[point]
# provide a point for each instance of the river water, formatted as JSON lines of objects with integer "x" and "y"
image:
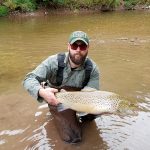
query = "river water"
{"x": 120, "y": 45}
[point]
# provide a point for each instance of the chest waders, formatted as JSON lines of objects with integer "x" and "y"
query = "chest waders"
{"x": 67, "y": 123}
{"x": 61, "y": 65}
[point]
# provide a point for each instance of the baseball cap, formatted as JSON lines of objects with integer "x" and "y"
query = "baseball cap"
{"x": 79, "y": 35}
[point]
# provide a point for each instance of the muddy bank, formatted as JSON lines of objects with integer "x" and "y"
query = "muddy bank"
{"x": 45, "y": 7}
{"x": 67, "y": 11}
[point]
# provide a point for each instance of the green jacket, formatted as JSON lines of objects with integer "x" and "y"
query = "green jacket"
{"x": 47, "y": 71}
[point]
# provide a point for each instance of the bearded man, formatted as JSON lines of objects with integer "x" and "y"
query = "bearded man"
{"x": 71, "y": 70}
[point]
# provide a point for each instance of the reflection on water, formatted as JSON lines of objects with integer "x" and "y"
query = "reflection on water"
{"x": 109, "y": 132}
{"x": 13, "y": 132}
{"x": 125, "y": 133}
{"x": 120, "y": 44}
{"x": 46, "y": 137}
{"x": 39, "y": 139}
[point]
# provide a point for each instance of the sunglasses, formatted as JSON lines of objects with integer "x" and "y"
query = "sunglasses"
{"x": 82, "y": 46}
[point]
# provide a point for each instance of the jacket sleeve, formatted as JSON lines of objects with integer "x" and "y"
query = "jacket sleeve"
{"x": 32, "y": 81}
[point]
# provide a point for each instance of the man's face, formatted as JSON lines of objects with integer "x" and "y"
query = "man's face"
{"x": 78, "y": 52}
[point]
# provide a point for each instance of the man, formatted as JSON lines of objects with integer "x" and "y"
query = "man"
{"x": 71, "y": 70}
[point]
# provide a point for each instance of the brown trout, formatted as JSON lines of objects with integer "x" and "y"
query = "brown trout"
{"x": 95, "y": 102}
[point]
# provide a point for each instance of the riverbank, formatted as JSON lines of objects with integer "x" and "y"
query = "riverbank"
{"x": 66, "y": 11}
{"x": 10, "y": 8}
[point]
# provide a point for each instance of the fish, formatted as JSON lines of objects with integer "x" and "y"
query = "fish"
{"x": 95, "y": 102}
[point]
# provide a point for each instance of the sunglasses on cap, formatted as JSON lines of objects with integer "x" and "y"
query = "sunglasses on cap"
{"x": 75, "y": 46}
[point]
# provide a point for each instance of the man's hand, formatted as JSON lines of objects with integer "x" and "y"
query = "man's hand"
{"x": 49, "y": 95}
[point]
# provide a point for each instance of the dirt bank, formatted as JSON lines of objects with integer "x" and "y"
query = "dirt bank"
{"x": 67, "y": 11}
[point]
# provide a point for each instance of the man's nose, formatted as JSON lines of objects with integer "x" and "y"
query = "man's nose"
{"x": 78, "y": 48}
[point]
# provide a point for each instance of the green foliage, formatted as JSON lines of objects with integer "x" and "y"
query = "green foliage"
{"x": 110, "y": 3}
{"x": 77, "y": 4}
{"x": 23, "y": 5}
{"x": 146, "y": 2}
{"x": 26, "y": 5}
{"x": 10, "y": 4}
{"x": 129, "y": 4}
{"x": 31, "y": 5}
{"x": 3, "y": 11}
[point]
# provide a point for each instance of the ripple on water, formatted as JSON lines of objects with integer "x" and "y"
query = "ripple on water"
{"x": 39, "y": 139}
{"x": 38, "y": 113}
{"x": 43, "y": 106}
{"x": 3, "y": 141}
{"x": 6, "y": 134}
{"x": 144, "y": 101}
{"x": 126, "y": 132}
{"x": 12, "y": 132}
{"x": 113, "y": 129}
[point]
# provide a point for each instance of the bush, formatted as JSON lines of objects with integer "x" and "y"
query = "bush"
{"x": 3, "y": 11}
{"x": 146, "y": 2}
{"x": 10, "y": 4}
{"x": 129, "y": 4}
{"x": 77, "y": 4}
{"x": 23, "y": 5}
{"x": 26, "y": 5}
{"x": 31, "y": 5}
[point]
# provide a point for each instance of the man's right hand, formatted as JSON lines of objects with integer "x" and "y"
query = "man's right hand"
{"x": 49, "y": 95}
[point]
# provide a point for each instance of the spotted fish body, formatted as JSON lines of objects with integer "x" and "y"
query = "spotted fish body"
{"x": 95, "y": 102}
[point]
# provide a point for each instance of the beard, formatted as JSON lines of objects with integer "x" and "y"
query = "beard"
{"x": 78, "y": 58}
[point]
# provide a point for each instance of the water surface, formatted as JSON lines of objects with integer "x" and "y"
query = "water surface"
{"x": 120, "y": 45}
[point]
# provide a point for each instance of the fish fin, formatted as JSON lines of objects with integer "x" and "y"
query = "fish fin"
{"x": 61, "y": 107}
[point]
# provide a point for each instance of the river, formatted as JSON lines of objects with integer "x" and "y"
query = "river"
{"x": 119, "y": 44}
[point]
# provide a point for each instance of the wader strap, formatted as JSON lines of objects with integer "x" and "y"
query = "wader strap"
{"x": 88, "y": 69}
{"x": 61, "y": 66}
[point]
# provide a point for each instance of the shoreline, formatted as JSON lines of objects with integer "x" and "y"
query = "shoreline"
{"x": 65, "y": 11}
